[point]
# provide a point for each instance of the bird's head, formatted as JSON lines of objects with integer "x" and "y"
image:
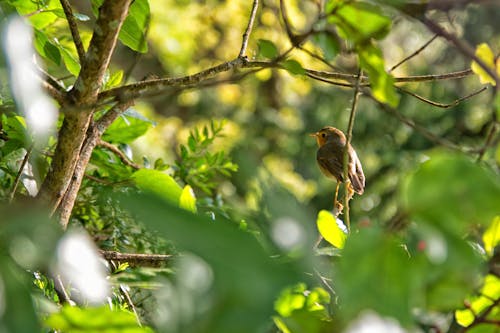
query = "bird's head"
{"x": 327, "y": 134}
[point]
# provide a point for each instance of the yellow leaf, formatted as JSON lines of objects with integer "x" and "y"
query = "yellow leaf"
{"x": 187, "y": 200}
{"x": 484, "y": 53}
{"x": 330, "y": 230}
{"x": 491, "y": 236}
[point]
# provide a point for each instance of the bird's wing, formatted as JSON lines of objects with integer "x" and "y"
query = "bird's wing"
{"x": 330, "y": 162}
{"x": 356, "y": 175}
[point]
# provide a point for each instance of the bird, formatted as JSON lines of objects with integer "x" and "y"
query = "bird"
{"x": 330, "y": 157}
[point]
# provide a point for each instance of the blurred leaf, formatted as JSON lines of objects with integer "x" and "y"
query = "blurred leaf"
{"x": 133, "y": 31}
{"x": 329, "y": 229}
{"x": 452, "y": 192}
{"x": 246, "y": 279}
{"x": 490, "y": 292}
{"x": 491, "y": 236}
{"x": 294, "y": 67}
{"x": 375, "y": 273}
{"x": 328, "y": 44}
{"x": 41, "y": 13}
{"x": 302, "y": 310}
{"x": 267, "y": 49}
{"x": 360, "y": 21}
{"x": 98, "y": 319}
{"x": 382, "y": 83}
{"x": 127, "y": 128}
{"x": 158, "y": 183}
{"x": 187, "y": 199}
{"x": 484, "y": 53}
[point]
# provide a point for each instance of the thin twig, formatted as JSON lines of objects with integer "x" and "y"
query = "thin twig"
{"x": 487, "y": 142}
{"x": 74, "y": 29}
{"x": 20, "y": 172}
{"x": 443, "y": 105}
{"x": 119, "y": 153}
{"x": 248, "y": 31}
{"x": 137, "y": 258}
{"x": 413, "y": 54}
{"x": 124, "y": 291}
{"x": 346, "y": 150}
{"x": 462, "y": 46}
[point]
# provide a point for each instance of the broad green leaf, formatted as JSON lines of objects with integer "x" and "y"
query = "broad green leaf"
{"x": 45, "y": 48}
{"x": 94, "y": 319}
{"x": 359, "y": 21}
{"x": 484, "y": 53}
{"x": 294, "y": 67}
{"x": 382, "y": 83}
{"x": 329, "y": 229}
{"x": 134, "y": 29}
{"x": 127, "y": 128}
{"x": 452, "y": 192}
{"x": 491, "y": 236}
{"x": 187, "y": 199}
{"x": 246, "y": 280}
{"x": 267, "y": 49}
{"x": 41, "y": 13}
{"x": 113, "y": 80}
{"x": 72, "y": 64}
{"x": 375, "y": 273}
{"x": 158, "y": 183}
{"x": 328, "y": 44}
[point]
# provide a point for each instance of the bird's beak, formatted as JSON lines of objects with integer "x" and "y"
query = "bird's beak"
{"x": 314, "y": 135}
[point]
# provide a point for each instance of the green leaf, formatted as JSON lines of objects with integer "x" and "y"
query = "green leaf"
{"x": 113, "y": 80}
{"x": 267, "y": 49}
{"x": 360, "y": 21}
{"x": 41, "y": 13}
{"x": 491, "y": 236}
{"x": 45, "y": 48}
{"x": 158, "y": 183}
{"x": 187, "y": 199}
{"x": 452, "y": 192}
{"x": 94, "y": 319}
{"x": 127, "y": 128}
{"x": 382, "y": 83}
{"x": 329, "y": 229}
{"x": 294, "y": 67}
{"x": 374, "y": 273}
{"x": 328, "y": 44}
{"x": 134, "y": 29}
{"x": 72, "y": 64}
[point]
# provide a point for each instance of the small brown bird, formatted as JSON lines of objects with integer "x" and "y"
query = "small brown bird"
{"x": 330, "y": 157}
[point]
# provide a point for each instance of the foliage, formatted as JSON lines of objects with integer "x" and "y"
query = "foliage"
{"x": 422, "y": 252}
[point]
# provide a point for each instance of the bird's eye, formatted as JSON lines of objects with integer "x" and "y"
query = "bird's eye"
{"x": 323, "y": 135}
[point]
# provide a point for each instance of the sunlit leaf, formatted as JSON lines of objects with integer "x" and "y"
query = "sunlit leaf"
{"x": 329, "y": 229}
{"x": 113, "y": 80}
{"x": 158, "y": 183}
{"x": 127, "y": 128}
{"x": 381, "y": 82}
{"x": 187, "y": 199}
{"x": 359, "y": 21}
{"x": 491, "y": 236}
{"x": 133, "y": 31}
{"x": 484, "y": 53}
{"x": 72, "y": 64}
{"x": 267, "y": 49}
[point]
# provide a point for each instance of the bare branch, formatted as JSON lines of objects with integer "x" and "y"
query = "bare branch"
{"x": 346, "y": 150}
{"x": 20, "y": 172}
{"x": 489, "y": 139}
{"x": 74, "y": 29}
{"x": 248, "y": 31}
{"x": 417, "y": 52}
{"x": 443, "y": 105}
{"x": 462, "y": 46}
{"x": 138, "y": 259}
{"x": 118, "y": 153}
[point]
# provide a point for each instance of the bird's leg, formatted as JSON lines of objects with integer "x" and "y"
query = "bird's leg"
{"x": 337, "y": 206}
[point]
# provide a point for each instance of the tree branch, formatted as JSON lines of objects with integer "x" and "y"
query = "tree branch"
{"x": 415, "y": 53}
{"x": 248, "y": 31}
{"x": 118, "y": 153}
{"x": 443, "y": 105}
{"x": 20, "y": 172}
{"x": 74, "y": 29}
{"x": 137, "y": 259}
